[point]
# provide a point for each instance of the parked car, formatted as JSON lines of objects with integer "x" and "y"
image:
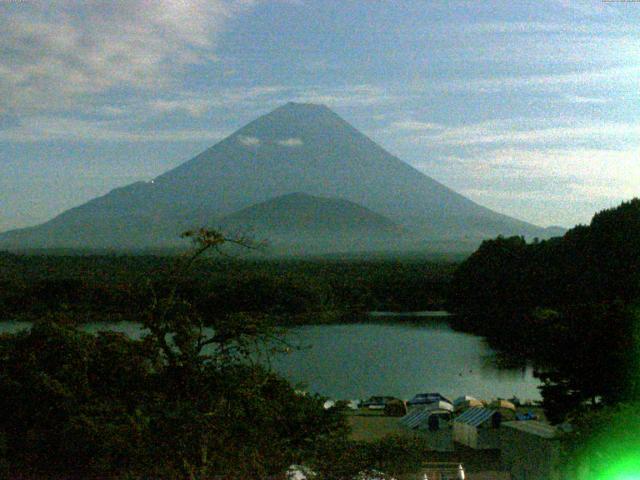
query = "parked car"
{"x": 427, "y": 398}
{"x": 376, "y": 403}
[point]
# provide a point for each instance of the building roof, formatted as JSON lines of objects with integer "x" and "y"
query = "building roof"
{"x": 415, "y": 417}
{"x": 419, "y": 416}
{"x": 475, "y": 416}
{"x": 424, "y": 398}
{"x": 533, "y": 427}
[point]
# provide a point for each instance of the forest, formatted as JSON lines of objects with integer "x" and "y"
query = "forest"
{"x": 90, "y": 406}
{"x": 76, "y": 405}
{"x": 117, "y": 287}
{"x": 570, "y": 305}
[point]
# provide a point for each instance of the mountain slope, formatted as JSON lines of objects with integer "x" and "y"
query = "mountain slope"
{"x": 296, "y": 148}
{"x": 300, "y": 223}
{"x": 299, "y": 212}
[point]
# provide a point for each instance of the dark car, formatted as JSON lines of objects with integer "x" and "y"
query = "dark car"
{"x": 376, "y": 403}
{"x": 427, "y": 398}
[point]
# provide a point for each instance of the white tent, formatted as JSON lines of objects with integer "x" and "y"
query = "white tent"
{"x": 441, "y": 405}
{"x": 329, "y": 404}
{"x": 464, "y": 398}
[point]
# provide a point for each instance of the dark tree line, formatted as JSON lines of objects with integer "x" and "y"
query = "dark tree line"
{"x": 180, "y": 403}
{"x": 112, "y": 288}
{"x": 570, "y": 304}
{"x": 183, "y": 402}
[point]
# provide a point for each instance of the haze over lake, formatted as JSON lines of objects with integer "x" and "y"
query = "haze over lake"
{"x": 359, "y": 360}
{"x": 383, "y": 358}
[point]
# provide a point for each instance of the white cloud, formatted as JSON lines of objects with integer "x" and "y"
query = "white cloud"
{"x": 348, "y": 96}
{"x": 532, "y": 131}
{"x": 581, "y": 28}
{"x": 589, "y": 173}
{"x": 52, "y": 57}
{"x": 45, "y": 128}
{"x": 414, "y": 126}
{"x": 545, "y": 186}
{"x": 583, "y": 99}
{"x": 290, "y": 142}
{"x": 611, "y": 78}
{"x": 192, "y": 107}
{"x": 248, "y": 141}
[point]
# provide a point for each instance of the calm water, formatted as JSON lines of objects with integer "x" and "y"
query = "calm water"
{"x": 378, "y": 358}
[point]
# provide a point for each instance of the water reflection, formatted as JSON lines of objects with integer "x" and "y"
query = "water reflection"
{"x": 397, "y": 358}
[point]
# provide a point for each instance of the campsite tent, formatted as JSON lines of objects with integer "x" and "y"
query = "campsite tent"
{"x": 465, "y": 405}
{"x": 502, "y": 404}
{"x": 328, "y": 404}
{"x": 440, "y": 405}
{"x": 505, "y": 407}
{"x": 462, "y": 399}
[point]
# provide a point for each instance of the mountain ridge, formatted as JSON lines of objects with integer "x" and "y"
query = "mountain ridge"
{"x": 295, "y": 148}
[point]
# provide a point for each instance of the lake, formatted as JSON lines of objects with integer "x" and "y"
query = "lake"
{"x": 384, "y": 358}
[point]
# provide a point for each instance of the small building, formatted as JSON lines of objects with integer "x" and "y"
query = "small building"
{"x": 433, "y": 425}
{"x": 477, "y": 428}
{"x": 426, "y": 419}
{"x": 530, "y": 450}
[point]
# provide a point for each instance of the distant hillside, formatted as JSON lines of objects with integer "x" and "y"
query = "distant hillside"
{"x": 299, "y": 212}
{"x": 313, "y": 224}
{"x": 296, "y": 148}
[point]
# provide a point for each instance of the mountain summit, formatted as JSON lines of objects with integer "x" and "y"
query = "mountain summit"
{"x": 297, "y": 148}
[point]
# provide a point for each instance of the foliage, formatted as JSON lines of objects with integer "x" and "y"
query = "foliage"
{"x": 604, "y": 443}
{"x": 567, "y": 303}
{"x": 91, "y": 288}
{"x": 393, "y": 455}
{"x": 183, "y": 402}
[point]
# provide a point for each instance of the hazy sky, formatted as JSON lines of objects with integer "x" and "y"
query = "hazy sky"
{"x": 528, "y": 107}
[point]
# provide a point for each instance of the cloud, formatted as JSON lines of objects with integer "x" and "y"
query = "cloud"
{"x": 543, "y": 185}
{"x": 192, "y": 107}
{"x": 348, "y": 96}
{"x": 615, "y": 76}
{"x": 290, "y": 142}
{"x": 248, "y": 141}
{"x": 582, "y": 99}
{"x": 120, "y": 119}
{"x": 414, "y": 126}
{"x": 530, "y": 28}
{"x": 531, "y": 131}
{"x": 613, "y": 174}
{"x": 51, "y": 128}
{"x": 51, "y": 57}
